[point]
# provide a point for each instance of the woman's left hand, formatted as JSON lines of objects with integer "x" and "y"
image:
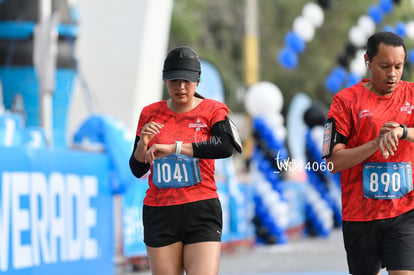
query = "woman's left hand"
{"x": 158, "y": 151}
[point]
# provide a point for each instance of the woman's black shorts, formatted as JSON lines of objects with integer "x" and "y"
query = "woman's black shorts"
{"x": 188, "y": 223}
{"x": 381, "y": 243}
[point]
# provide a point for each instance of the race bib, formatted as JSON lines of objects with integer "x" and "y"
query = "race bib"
{"x": 176, "y": 171}
{"x": 387, "y": 180}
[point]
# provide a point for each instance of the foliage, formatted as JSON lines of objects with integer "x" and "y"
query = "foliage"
{"x": 215, "y": 28}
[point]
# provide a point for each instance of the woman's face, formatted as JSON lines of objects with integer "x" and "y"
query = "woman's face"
{"x": 181, "y": 91}
{"x": 387, "y": 68}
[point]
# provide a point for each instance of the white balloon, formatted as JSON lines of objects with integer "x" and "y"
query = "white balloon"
{"x": 275, "y": 122}
{"x": 327, "y": 223}
{"x": 263, "y": 98}
{"x": 276, "y": 119}
{"x": 358, "y": 68}
{"x": 280, "y": 213}
{"x": 366, "y": 24}
{"x": 304, "y": 28}
{"x": 311, "y": 194}
{"x": 360, "y": 55}
{"x": 314, "y": 13}
{"x": 279, "y": 209}
{"x": 270, "y": 199}
{"x": 284, "y": 207}
{"x": 410, "y": 29}
{"x": 284, "y": 221}
{"x": 320, "y": 206}
{"x": 326, "y": 213}
{"x": 280, "y": 132}
{"x": 357, "y": 36}
{"x": 357, "y": 65}
{"x": 263, "y": 187}
{"x": 317, "y": 134}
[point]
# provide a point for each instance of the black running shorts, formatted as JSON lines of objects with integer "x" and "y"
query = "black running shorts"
{"x": 373, "y": 245}
{"x": 188, "y": 223}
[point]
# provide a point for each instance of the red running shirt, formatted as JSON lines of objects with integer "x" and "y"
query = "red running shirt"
{"x": 359, "y": 115}
{"x": 189, "y": 127}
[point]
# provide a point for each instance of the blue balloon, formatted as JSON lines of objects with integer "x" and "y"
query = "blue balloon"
{"x": 352, "y": 79}
{"x": 272, "y": 176}
{"x": 259, "y": 125}
{"x": 336, "y": 79}
{"x": 283, "y": 153}
{"x": 400, "y": 29}
{"x": 282, "y": 239}
{"x": 333, "y": 83}
{"x": 265, "y": 166}
{"x": 257, "y": 200}
{"x": 288, "y": 58}
{"x": 388, "y": 28}
{"x": 261, "y": 210}
{"x": 295, "y": 42}
{"x": 340, "y": 72}
{"x": 411, "y": 56}
{"x": 375, "y": 13}
{"x": 275, "y": 229}
{"x": 386, "y": 5}
{"x": 268, "y": 221}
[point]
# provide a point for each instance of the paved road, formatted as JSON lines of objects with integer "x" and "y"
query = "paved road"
{"x": 305, "y": 256}
{"x": 302, "y": 256}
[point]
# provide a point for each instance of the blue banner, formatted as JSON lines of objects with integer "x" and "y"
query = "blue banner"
{"x": 55, "y": 212}
{"x": 132, "y": 228}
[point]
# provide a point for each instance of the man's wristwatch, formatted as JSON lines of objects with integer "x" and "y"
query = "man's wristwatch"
{"x": 405, "y": 131}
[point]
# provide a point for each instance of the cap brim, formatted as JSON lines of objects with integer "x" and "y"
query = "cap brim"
{"x": 181, "y": 74}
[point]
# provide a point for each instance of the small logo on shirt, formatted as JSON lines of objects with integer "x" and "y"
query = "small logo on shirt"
{"x": 364, "y": 113}
{"x": 407, "y": 108}
{"x": 198, "y": 125}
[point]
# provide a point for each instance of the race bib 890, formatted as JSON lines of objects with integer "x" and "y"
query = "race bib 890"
{"x": 387, "y": 180}
{"x": 176, "y": 171}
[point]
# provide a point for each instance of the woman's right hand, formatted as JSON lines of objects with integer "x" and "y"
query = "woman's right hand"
{"x": 149, "y": 131}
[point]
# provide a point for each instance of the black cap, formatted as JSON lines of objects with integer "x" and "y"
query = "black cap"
{"x": 182, "y": 63}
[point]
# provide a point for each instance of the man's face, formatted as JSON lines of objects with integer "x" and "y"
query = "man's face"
{"x": 387, "y": 68}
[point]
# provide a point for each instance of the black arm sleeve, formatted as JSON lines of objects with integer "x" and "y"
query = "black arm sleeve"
{"x": 137, "y": 168}
{"x": 331, "y": 138}
{"x": 219, "y": 145}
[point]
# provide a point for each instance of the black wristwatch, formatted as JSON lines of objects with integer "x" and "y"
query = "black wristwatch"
{"x": 405, "y": 131}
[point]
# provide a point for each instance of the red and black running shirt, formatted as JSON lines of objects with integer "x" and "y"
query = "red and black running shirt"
{"x": 359, "y": 115}
{"x": 189, "y": 127}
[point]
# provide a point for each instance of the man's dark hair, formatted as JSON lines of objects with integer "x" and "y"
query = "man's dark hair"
{"x": 387, "y": 38}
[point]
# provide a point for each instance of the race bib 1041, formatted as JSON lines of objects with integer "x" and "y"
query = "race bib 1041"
{"x": 176, "y": 171}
